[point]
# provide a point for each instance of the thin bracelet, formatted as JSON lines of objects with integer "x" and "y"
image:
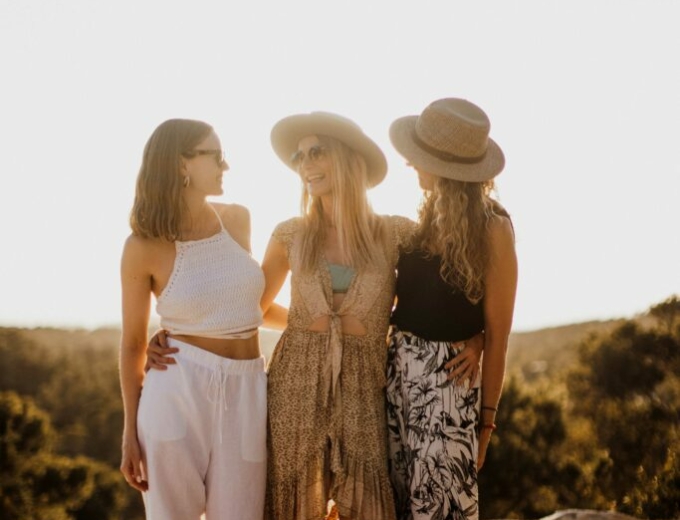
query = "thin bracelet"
{"x": 489, "y": 426}
{"x": 489, "y": 408}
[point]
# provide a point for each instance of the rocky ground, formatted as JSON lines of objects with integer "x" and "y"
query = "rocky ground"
{"x": 587, "y": 514}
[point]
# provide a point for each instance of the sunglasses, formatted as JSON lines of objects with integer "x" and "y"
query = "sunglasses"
{"x": 314, "y": 153}
{"x": 218, "y": 154}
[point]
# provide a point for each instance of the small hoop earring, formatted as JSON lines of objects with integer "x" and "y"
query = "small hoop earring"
{"x": 187, "y": 181}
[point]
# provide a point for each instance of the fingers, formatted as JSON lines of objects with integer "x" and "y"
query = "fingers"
{"x": 159, "y": 362}
{"x": 462, "y": 367}
{"x": 478, "y": 342}
{"x": 462, "y": 356}
{"x": 152, "y": 365}
{"x": 465, "y": 365}
{"x": 162, "y": 355}
{"x": 139, "y": 484}
{"x": 484, "y": 438}
{"x": 132, "y": 466}
{"x": 481, "y": 458}
{"x": 459, "y": 363}
{"x": 474, "y": 372}
{"x": 134, "y": 476}
{"x": 157, "y": 356}
{"x": 159, "y": 339}
{"x": 155, "y": 341}
{"x": 462, "y": 373}
{"x": 159, "y": 351}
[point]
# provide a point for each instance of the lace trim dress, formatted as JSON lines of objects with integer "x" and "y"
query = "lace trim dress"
{"x": 327, "y": 434}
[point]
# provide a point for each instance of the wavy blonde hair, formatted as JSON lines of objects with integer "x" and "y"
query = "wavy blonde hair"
{"x": 453, "y": 222}
{"x": 159, "y": 208}
{"x": 361, "y": 233}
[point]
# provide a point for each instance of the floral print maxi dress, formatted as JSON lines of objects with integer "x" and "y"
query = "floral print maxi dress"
{"x": 327, "y": 434}
{"x": 433, "y": 425}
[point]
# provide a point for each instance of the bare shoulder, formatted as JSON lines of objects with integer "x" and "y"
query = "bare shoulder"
{"x": 146, "y": 249}
{"x": 236, "y": 220}
{"x": 502, "y": 241}
{"x": 138, "y": 255}
{"x": 234, "y": 213}
{"x": 137, "y": 247}
{"x": 501, "y": 229}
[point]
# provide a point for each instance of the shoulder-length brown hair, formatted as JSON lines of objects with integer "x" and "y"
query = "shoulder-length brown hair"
{"x": 361, "y": 233}
{"x": 453, "y": 223}
{"x": 158, "y": 207}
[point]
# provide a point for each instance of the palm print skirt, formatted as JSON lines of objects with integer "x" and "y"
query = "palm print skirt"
{"x": 432, "y": 427}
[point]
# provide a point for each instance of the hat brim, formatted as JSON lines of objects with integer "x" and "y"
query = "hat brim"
{"x": 401, "y": 132}
{"x": 288, "y": 132}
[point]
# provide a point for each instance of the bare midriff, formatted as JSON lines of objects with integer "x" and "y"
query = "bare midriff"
{"x": 241, "y": 348}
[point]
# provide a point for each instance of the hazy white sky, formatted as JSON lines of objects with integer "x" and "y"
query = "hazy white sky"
{"x": 583, "y": 96}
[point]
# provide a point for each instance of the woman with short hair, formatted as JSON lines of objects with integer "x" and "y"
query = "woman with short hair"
{"x": 194, "y": 438}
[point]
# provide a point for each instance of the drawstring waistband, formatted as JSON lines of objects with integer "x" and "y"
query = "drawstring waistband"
{"x": 217, "y": 393}
{"x": 220, "y": 370}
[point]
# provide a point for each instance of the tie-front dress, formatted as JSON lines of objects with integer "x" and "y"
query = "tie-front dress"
{"x": 326, "y": 391}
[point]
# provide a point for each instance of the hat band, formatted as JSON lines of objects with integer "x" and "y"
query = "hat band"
{"x": 444, "y": 156}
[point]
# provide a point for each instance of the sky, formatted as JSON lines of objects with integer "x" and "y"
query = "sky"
{"x": 583, "y": 97}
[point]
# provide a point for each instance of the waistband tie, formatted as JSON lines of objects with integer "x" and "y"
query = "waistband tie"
{"x": 333, "y": 362}
{"x": 331, "y": 374}
{"x": 217, "y": 393}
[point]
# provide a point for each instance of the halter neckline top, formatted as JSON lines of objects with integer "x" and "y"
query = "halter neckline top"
{"x": 214, "y": 289}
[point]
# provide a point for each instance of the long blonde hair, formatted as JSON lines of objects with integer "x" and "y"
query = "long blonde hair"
{"x": 453, "y": 222}
{"x": 158, "y": 208}
{"x": 360, "y": 232}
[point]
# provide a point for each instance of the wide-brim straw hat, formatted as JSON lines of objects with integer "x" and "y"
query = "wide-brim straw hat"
{"x": 450, "y": 138}
{"x": 288, "y": 132}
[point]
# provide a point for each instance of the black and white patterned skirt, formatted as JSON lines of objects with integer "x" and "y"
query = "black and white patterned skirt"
{"x": 433, "y": 431}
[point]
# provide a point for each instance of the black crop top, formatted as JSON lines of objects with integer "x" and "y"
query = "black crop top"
{"x": 429, "y": 307}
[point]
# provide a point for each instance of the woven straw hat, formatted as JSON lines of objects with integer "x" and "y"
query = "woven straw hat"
{"x": 449, "y": 139}
{"x": 287, "y": 133}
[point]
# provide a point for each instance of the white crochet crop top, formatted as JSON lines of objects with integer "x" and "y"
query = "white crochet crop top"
{"x": 214, "y": 289}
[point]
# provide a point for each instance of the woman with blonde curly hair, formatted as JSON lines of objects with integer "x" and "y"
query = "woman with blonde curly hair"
{"x": 457, "y": 278}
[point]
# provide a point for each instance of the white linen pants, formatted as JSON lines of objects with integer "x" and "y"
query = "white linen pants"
{"x": 202, "y": 429}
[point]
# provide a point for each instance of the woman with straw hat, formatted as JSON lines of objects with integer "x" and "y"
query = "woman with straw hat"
{"x": 457, "y": 278}
{"x": 326, "y": 394}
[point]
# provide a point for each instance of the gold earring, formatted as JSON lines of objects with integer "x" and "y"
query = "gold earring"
{"x": 187, "y": 181}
